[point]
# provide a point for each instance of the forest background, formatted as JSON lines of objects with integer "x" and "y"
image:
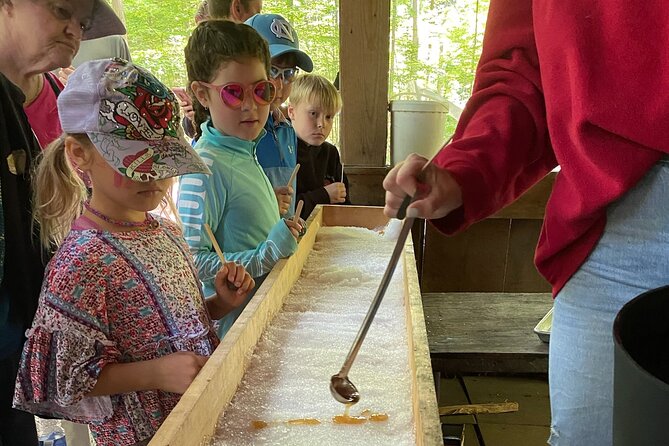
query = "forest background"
{"x": 434, "y": 44}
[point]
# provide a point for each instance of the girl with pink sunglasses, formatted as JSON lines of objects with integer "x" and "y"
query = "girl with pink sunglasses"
{"x": 228, "y": 66}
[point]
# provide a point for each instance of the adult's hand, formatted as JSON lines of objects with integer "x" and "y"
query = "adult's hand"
{"x": 438, "y": 192}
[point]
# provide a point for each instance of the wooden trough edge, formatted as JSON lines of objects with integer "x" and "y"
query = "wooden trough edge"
{"x": 426, "y": 408}
{"x": 190, "y": 423}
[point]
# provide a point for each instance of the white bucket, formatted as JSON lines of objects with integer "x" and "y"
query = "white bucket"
{"x": 416, "y": 127}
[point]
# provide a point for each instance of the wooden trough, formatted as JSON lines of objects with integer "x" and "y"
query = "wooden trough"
{"x": 193, "y": 421}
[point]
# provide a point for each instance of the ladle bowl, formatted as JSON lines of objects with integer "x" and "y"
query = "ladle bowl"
{"x": 343, "y": 390}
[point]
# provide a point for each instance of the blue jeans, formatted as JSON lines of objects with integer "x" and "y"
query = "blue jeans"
{"x": 630, "y": 258}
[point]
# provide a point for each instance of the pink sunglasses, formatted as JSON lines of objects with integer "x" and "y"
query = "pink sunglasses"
{"x": 232, "y": 94}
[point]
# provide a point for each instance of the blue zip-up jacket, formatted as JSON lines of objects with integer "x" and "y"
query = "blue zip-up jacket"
{"x": 238, "y": 202}
{"x": 277, "y": 154}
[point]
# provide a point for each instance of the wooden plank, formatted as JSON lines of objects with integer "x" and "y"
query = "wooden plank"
{"x": 514, "y": 435}
{"x": 426, "y": 414}
{"x": 521, "y": 275}
{"x": 451, "y": 393}
{"x": 359, "y": 216}
{"x": 486, "y": 332}
{"x": 476, "y": 409}
{"x": 532, "y": 204}
{"x": 364, "y": 42}
{"x": 531, "y": 394}
{"x": 470, "y": 436}
{"x": 193, "y": 420}
{"x": 366, "y": 184}
{"x": 473, "y": 261}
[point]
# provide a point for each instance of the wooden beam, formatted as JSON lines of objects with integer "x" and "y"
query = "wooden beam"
{"x": 364, "y": 41}
{"x": 475, "y": 409}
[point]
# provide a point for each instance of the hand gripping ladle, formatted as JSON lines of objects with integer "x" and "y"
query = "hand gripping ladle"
{"x": 341, "y": 388}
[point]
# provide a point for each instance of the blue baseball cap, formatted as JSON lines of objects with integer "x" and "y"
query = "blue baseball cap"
{"x": 282, "y": 38}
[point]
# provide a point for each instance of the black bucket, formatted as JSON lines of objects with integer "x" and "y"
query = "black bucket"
{"x": 641, "y": 371}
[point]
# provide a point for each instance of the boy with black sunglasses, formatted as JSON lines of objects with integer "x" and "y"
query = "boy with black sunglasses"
{"x": 277, "y": 151}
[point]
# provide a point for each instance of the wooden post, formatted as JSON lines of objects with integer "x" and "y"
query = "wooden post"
{"x": 364, "y": 63}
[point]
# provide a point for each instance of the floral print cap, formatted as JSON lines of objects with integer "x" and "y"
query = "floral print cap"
{"x": 131, "y": 118}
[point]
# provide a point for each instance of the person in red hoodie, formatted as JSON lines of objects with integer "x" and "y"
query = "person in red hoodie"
{"x": 583, "y": 86}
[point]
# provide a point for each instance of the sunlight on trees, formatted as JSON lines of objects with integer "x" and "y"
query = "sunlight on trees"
{"x": 434, "y": 49}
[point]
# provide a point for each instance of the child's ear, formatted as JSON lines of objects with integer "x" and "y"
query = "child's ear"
{"x": 291, "y": 112}
{"x": 80, "y": 155}
{"x": 235, "y": 10}
{"x": 200, "y": 93}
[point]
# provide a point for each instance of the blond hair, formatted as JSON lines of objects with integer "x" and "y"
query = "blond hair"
{"x": 316, "y": 89}
{"x": 59, "y": 192}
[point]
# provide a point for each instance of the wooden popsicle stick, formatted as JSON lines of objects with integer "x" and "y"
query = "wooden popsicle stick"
{"x": 293, "y": 175}
{"x": 298, "y": 211}
{"x": 217, "y": 248}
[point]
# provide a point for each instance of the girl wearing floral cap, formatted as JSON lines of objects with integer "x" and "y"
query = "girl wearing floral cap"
{"x": 122, "y": 326}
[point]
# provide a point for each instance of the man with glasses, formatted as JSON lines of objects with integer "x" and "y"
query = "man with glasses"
{"x": 277, "y": 151}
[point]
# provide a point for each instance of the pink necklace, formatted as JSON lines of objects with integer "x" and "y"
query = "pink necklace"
{"x": 150, "y": 222}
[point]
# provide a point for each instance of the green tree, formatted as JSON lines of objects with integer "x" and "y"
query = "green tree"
{"x": 157, "y": 35}
{"x": 435, "y": 44}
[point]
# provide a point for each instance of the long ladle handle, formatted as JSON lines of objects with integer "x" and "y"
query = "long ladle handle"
{"x": 376, "y": 302}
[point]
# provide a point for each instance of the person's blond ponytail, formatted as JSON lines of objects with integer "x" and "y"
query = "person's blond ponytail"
{"x": 59, "y": 192}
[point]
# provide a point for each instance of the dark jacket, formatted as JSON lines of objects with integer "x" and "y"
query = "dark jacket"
{"x": 22, "y": 258}
{"x": 319, "y": 166}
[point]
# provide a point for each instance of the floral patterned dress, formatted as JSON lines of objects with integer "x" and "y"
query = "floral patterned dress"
{"x": 112, "y": 298}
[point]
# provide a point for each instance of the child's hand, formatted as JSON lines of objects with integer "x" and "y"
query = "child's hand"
{"x": 337, "y": 192}
{"x": 175, "y": 372}
{"x": 295, "y": 228}
{"x": 232, "y": 284}
{"x": 64, "y": 74}
{"x": 284, "y": 195}
{"x": 187, "y": 109}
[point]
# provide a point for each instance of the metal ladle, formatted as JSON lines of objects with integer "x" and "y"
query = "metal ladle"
{"x": 341, "y": 387}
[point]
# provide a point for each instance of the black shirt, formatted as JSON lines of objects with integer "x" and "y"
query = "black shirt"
{"x": 23, "y": 258}
{"x": 319, "y": 166}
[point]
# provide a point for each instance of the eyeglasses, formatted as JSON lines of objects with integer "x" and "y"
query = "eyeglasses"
{"x": 287, "y": 74}
{"x": 233, "y": 94}
{"x": 65, "y": 11}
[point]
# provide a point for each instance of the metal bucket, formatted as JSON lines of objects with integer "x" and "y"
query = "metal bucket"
{"x": 641, "y": 371}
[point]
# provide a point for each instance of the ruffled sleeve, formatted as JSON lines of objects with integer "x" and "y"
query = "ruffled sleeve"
{"x": 68, "y": 344}
{"x": 58, "y": 368}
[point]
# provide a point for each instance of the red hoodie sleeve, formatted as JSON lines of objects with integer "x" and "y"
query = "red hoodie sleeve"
{"x": 501, "y": 145}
